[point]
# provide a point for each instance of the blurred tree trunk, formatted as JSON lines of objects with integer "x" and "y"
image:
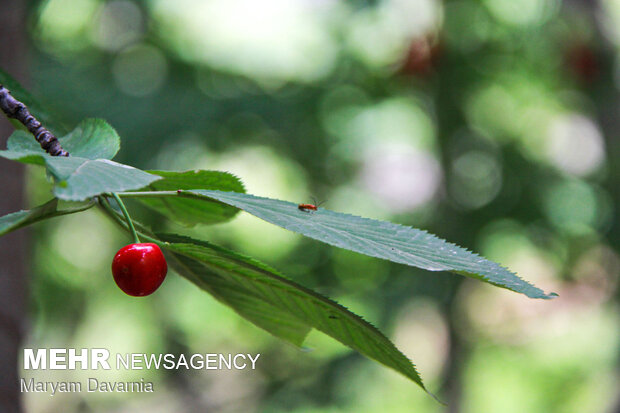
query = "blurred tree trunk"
{"x": 12, "y": 246}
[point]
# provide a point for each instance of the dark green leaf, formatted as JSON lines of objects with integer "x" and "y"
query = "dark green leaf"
{"x": 281, "y": 306}
{"x": 379, "y": 239}
{"x": 20, "y": 219}
{"x": 193, "y": 211}
{"x": 243, "y": 300}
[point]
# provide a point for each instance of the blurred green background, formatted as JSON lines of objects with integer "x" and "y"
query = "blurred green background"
{"x": 491, "y": 123}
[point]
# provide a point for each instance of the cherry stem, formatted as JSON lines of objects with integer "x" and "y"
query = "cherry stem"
{"x": 105, "y": 205}
{"x": 127, "y": 217}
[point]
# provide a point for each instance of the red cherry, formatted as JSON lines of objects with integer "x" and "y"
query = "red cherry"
{"x": 139, "y": 269}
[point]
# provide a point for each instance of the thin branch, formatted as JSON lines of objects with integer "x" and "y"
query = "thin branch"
{"x": 15, "y": 109}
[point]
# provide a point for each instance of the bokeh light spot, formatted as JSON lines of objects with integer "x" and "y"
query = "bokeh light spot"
{"x": 523, "y": 12}
{"x": 476, "y": 179}
{"x": 118, "y": 24}
{"x": 574, "y": 206}
{"x": 270, "y": 41}
{"x": 575, "y": 144}
{"x": 140, "y": 70}
{"x": 402, "y": 177}
{"x": 63, "y": 24}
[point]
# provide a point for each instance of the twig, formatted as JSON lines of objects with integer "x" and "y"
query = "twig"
{"x": 15, "y": 109}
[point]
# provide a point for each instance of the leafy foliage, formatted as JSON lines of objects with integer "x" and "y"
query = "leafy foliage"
{"x": 50, "y": 209}
{"x": 92, "y": 139}
{"x": 379, "y": 239}
{"x": 88, "y": 172}
{"x": 280, "y": 306}
{"x": 253, "y": 289}
{"x": 192, "y": 211}
{"x": 100, "y": 176}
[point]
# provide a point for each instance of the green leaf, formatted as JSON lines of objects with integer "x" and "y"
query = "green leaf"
{"x": 20, "y": 219}
{"x": 92, "y": 139}
{"x": 193, "y": 211}
{"x": 23, "y": 148}
{"x": 61, "y": 168}
{"x": 37, "y": 110}
{"x": 280, "y": 306}
{"x": 271, "y": 301}
{"x": 94, "y": 177}
{"x": 79, "y": 178}
{"x": 241, "y": 299}
{"x": 24, "y": 142}
{"x": 379, "y": 239}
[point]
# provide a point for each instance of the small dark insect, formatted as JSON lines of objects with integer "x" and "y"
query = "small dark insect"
{"x": 333, "y": 317}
